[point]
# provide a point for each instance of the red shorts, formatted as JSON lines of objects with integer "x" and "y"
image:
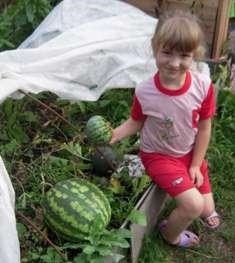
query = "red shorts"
{"x": 172, "y": 173}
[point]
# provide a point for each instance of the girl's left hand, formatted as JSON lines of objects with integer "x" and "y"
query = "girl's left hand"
{"x": 196, "y": 175}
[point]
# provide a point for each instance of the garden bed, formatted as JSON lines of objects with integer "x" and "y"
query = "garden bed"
{"x": 40, "y": 149}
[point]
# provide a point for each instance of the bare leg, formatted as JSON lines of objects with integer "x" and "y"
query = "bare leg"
{"x": 190, "y": 205}
{"x": 209, "y": 207}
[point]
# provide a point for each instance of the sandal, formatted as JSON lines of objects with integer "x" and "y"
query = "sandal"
{"x": 187, "y": 238}
{"x": 206, "y": 221}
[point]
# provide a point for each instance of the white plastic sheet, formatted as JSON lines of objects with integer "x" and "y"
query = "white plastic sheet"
{"x": 9, "y": 243}
{"x": 81, "y": 49}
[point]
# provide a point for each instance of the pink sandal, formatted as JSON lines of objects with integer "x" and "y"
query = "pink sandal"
{"x": 206, "y": 221}
{"x": 186, "y": 237}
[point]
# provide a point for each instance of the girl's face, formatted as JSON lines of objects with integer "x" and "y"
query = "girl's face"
{"x": 172, "y": 65}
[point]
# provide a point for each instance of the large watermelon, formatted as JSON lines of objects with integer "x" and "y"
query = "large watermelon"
{"x": 72, "y": 206}
{"x": 98, "y": 130}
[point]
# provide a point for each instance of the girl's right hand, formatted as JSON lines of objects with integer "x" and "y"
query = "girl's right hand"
{"x": 196, "y": 175}
{"x": 114, "y": 138}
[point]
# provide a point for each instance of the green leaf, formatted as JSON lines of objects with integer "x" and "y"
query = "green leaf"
{"x": 21, "y": 229}
{"x": 89, "y": 250}
{"x": 73, "y": 245}
{"x": 57, "y": 161}
{"x": 124, "y": 233}
{"x": 104, "y": 251}
{"x": 29, "y": 116}
{"x": 29, "y": 10}
{"x": 75, "y": 149}
{"x": 121, "y": 243}
{"x": 138, "y": 217}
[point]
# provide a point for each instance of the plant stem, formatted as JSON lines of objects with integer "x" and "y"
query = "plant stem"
{"x": 41, "y": 233}
{"x": 66, "y": 121}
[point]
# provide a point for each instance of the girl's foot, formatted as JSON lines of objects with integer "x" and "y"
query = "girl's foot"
{"x": 212, "y": 221}
{"x": 186, "y": 238}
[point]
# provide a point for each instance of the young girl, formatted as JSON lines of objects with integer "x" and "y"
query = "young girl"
{"x": 173, "y": 112}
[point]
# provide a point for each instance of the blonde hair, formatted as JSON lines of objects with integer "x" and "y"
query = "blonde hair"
{"x": 181, "y": 31}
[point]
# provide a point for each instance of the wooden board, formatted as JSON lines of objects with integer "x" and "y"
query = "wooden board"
{"x": 212, "y": 14}
{"x": 151, "y": 204}
{"x": 221, "y": 29}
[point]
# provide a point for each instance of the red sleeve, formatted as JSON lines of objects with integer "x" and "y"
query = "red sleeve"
{"x": 136, "y": 110}
{"x": 208, "y": 106}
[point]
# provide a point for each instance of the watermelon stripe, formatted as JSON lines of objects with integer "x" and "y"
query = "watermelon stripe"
{"x": 93, "y": 202}
{"x": 87, "y": 209}
{"x": 64, "y": 230}
{"x": 104, "y": 136}
{"x": 98, "y": 131}
{"x": 68, "y": 215}
{"x": 101, "y": 196}
{"x": 72, "y": 206}
{"x": 61, "y": 225}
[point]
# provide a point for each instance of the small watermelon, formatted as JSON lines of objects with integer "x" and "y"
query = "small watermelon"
{"x": 98, "y": 130}
{"x": 72, "y": 206}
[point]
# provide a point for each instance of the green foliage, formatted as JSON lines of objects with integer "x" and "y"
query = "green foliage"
{"x": 137, "y": 217}
{"x": 19, "y": 20}
{"x": 46, "y": 150}
{"x": 100, "y": 245}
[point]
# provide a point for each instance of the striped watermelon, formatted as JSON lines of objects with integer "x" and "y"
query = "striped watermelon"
{"x": 72, "y": 206}
{"x": 98, "y": 130}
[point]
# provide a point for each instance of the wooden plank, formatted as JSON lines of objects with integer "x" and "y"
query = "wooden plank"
{"x": 151, "y": 204}
{"x": 221, "y": 29}
{"x": 206, "y": 10}
{"x": 151, "y": 207}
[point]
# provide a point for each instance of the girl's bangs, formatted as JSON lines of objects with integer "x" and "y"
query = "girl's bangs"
{"x": 180, "y": 41}
{"x": 180, "y": 36}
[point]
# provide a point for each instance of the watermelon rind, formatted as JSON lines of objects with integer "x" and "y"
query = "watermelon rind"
{"x": 72, "y": 206}
{"x": 98, "y": 130}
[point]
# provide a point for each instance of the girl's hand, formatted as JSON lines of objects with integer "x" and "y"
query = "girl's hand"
{"x": 114, "y": 138}
{"x": 196, "y": 175}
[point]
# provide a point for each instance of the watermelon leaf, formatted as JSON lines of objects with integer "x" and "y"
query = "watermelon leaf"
{"x": 138, "y": 217}
{"x": 89, "y": 250}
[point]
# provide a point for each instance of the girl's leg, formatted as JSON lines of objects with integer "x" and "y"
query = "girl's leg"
{"x": 190, "y": 205}
{"x": 209, "y": 208}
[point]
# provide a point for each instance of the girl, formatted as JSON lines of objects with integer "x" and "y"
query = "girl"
{"x": 173, "y": 112}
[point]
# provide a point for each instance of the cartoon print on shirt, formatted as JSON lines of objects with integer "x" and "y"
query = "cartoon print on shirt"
{"x": 168, "y": 133}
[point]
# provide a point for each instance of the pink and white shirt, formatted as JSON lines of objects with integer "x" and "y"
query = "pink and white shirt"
{"x": 171, "y": 116}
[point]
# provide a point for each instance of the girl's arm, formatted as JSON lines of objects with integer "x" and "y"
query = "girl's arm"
{"x": 199, "y": 151}
{"x": 129, "y": 127}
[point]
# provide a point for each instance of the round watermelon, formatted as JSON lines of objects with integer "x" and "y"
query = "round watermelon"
{"x": 72, "y": 206}
{"x": 98, "y": 130}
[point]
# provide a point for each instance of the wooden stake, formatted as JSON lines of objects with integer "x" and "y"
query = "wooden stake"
{"x": 221, "y": 28}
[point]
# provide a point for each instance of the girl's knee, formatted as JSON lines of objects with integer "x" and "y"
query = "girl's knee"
{"x": 191, "y": 204}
